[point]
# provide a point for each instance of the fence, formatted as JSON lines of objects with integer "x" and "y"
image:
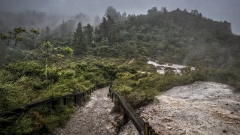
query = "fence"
{"x": 77, "y": 99}
{"x": 142, "y": 127}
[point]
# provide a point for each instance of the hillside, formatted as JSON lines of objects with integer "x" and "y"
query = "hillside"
{"x": 177, "y": 36}
{"x": 38, "y": 64}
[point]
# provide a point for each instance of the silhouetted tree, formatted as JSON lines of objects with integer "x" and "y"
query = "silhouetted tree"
{"x": 13, "y": 37}
{"x": 79, "y": 44}
{"x": 103, "y": 27}
{"x": 153, "y": 10}
{"x": 88, "y": 31}
{"x": 111, "y": 11}
{"x": 164, "y": 9}
{"x": 47, "y": 31}
{"x": 63, "y": 29}
{"x": 97, "y": 21}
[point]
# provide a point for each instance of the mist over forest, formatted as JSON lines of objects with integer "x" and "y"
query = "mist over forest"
{"x": 39, "y": 20}
{"x": 157, "y": 25}
{"x": 51, "y": 54}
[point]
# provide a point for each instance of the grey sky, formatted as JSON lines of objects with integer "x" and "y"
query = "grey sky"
{"x": 228, "y": 10}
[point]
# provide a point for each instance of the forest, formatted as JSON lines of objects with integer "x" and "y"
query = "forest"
{"x": 40, "y": 59}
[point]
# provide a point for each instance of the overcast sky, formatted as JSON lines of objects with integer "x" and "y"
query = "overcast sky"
{"x": 228, "y": 10}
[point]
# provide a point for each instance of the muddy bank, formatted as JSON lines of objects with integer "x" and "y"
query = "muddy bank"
{"x": 202, "y": 108}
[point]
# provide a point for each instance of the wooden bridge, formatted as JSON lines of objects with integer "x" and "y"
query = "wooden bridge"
{"x": 142, "y": 127}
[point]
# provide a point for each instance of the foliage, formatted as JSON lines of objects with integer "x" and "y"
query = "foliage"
{"x": 44, "y": 69}
{"x": 24, "y": 82}
{"x": 25, "y": 68}
{"x": 47, "y": 44}
{"x": 140, "y": 87}
{"x": 67, "y": 50}
{"x": 79, "y": 44}
{"x": 12, "y": 38}
{"x": 37, "y": 120}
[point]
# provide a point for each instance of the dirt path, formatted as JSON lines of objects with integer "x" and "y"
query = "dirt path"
{"x": 201, "y": 108}
{"x": 92, "y": 119}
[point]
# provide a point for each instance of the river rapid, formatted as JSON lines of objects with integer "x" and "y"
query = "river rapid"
{"x": 161, "y": 68}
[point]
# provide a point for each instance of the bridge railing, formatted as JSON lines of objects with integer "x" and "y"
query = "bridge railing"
{"x": 77, "y": 99}
{"x": 142, "y": 127}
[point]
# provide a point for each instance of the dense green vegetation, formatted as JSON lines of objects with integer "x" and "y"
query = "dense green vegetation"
{"x": 25, "y": 82}
{"x": 140, "y": 88}
{"x": 38, "y": 65}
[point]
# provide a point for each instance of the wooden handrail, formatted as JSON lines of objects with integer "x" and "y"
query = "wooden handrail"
{"x": 142, "y": 127}
{"x": 51, "y": 99}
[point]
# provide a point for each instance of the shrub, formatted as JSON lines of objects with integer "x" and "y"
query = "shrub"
{"x": 29, "y": 68}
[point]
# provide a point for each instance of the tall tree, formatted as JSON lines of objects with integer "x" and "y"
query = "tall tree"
{"x": 111, "y": 34}
{"x": 13, "y": 37}
{"x": 153, "y": 10}
{"x": 47, "y": 32}
{"x": 97, "y": 21}
{"x": 164, "y": 10}
{"x": 63, "y": 29}
{"x": 32, "y": 34}
{"x": 108, "y": 30}
{"x": 88, "y": 31}
{"x": 103, "y": 27}
{"x": 124, "y": 16}
{"x": 111, "y": 11}
{"x": 79, "y": 44}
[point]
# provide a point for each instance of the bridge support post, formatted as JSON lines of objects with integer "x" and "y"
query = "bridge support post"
{"x": 151, "y": 131}
{"x": 149, "y": 128}
{"x": 125, "y": 117}
{"x": 146, "y": 124}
